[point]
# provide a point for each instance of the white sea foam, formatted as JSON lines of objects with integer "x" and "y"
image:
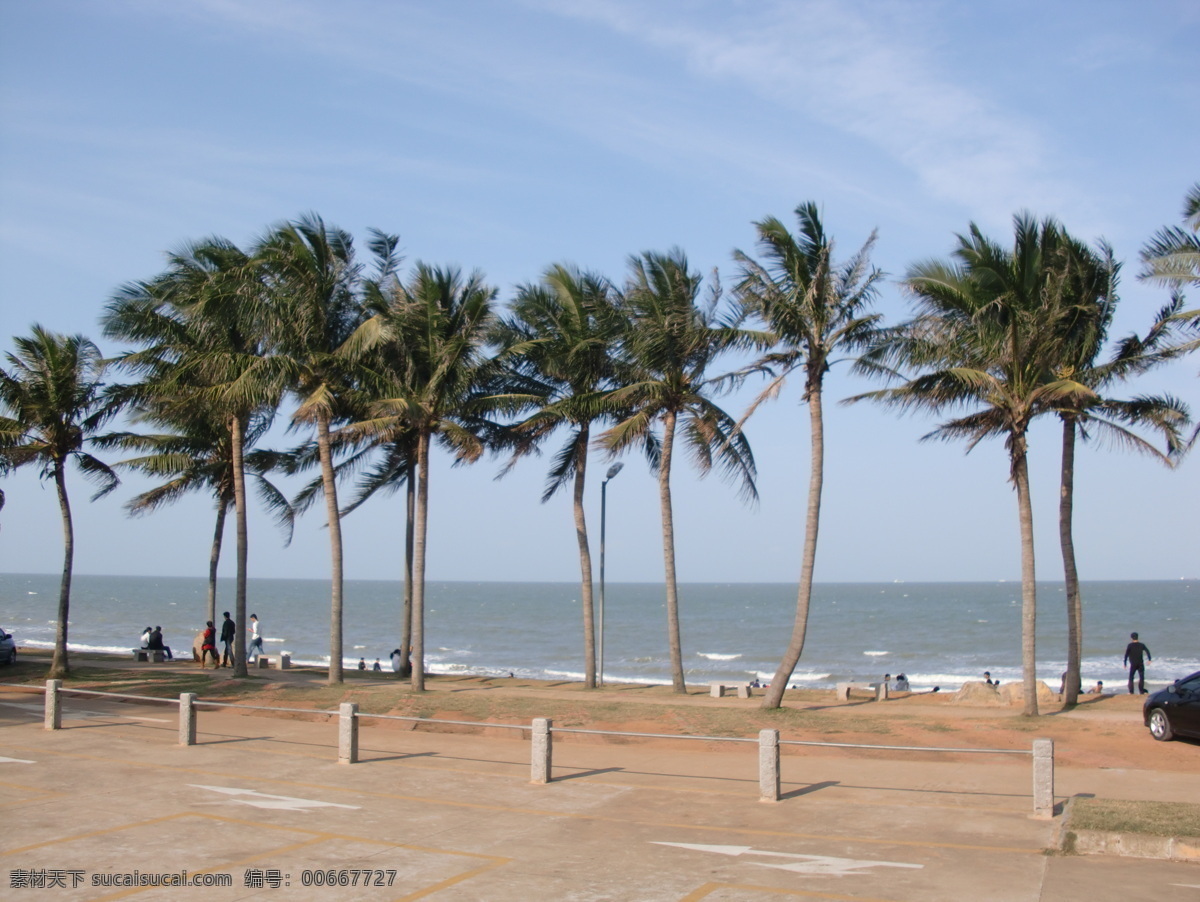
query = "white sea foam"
{"x": 714, "y": 656}
{"x": 875, "y": 654}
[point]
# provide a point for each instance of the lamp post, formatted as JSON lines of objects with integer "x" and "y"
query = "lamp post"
{"x": 612, "y": 471}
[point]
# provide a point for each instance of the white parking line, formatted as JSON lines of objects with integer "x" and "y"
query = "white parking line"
{"x": 263, "y": 800}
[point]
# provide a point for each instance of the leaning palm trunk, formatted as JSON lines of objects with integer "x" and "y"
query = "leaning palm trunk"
{"x": 335, "y": 548}
{"x": 1070, "y": 572}
{"x": 243, "y": 541}
{"x": 816, "y": 480}
{"x": 418, "y": 606}
{"x": 1020, "y": 471}
{"x": 214, "y": 558}
{"x": 585, "y": 564}
{"x": 59, "y": 666}
{"x": 410, "y": 498}
{"x": 668, "y": 529}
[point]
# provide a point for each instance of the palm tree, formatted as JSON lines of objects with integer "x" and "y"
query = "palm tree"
{"x": 1172, "y": 255}
{"x": 669, "y": 345}
{"x": 1089, "y": 279}
{"x": 53, "y": 404}
{"x": 203, "y": 327}
{"x": 559, "y": 341}
{"x": 813, "y": 310}
{"x": 313, "y": 283}
{"x": 196, "y": 456}
{"x": 436, "y": 326}
{"x": 988, "y": 337}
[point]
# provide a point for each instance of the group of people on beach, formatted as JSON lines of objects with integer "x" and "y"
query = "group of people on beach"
{"x": 208, "y": 642}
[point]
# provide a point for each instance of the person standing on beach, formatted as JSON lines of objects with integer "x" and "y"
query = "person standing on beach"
{"x": 256, "y": 648}
{"x": 208, "y": 645}
{"x": 1136, "y": 655}
{"x": 228, "y": 631}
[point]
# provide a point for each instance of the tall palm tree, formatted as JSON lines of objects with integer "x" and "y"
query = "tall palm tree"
{"x": 436, "y": 324}
{"x": 559, "y": 340}
{"x": 196, "y": 456}
{"x": 988, "y": 337}
{"x": 313, "y": 281}
{"x": 202, "y": 325}
{"x": 1089, "y": 292}
{"x": 813, "y": 310}
{"x": 669, "y": 345}
{"x": 53, "y": 403}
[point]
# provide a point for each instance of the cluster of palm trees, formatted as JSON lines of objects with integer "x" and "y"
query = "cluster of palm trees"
{"x": 378, "y": 366}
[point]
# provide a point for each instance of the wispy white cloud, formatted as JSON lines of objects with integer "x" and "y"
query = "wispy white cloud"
{"x": 870, "y": 71}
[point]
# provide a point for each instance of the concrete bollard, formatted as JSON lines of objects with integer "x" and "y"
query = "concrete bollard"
{"x": 542, "y": 751}
{"x": 53, "y": 705}
{"x": 348, "y": 733}
{"x": 881, "y": 691}
{"x": 1043, "y": 778}
{"x": 768, "y": 765}
{"x": 187, "y": 718}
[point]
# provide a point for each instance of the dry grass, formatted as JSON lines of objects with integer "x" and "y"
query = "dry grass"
{"x": 1151, "y": 818}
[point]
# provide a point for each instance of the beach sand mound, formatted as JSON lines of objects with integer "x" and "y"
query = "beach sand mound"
{"x": 978, "y": 694}
{"x": 1014, "y": 693}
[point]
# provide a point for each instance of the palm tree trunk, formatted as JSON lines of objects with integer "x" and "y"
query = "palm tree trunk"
{"x": 243, "y": 543}
{"x": 1066, "y": 502}
{"x": 1020, "y": 473}
{"x": 335, "y": 548}
{"x": 418, "y": 607}
{"x": 668, "y": 530}
{"x": 59, "y": 665}
{"x": 585, "y": 562}
{"x": 410, "y": 500}
{"x": 214, "y": 558}
{"x": 816, "y": 480}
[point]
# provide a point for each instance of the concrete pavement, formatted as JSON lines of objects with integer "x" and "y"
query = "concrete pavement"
{"x": 260, "y": 801}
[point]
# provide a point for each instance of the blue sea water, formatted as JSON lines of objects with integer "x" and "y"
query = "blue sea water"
{"x": 939, "y": 634}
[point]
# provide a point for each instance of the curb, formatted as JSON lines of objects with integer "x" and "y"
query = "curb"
{"x": 1130, "y": 845}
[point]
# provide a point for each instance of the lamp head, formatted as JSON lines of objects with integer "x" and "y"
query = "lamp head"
{"x": 613, "y": 470}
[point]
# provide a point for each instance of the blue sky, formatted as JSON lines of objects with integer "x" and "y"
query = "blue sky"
{"x": 508, "y": 136}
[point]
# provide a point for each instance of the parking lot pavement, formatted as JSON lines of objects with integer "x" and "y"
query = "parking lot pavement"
{"x": 261, "y": 804}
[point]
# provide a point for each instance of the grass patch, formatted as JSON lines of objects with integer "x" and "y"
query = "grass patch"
{"x": 1151, "y": 818}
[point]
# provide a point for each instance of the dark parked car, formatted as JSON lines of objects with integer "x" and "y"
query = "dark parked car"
{"x": 1174, "y": 711}
{"x": 8, "y": 648}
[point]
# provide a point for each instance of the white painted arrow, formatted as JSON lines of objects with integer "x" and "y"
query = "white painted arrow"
{"x": 16, "y": 761}
{"x": 801, "y": 864}
{"x": 263, "y": 800}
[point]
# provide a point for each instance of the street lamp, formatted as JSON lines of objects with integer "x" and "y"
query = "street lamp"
{"x": 612, "y": 471}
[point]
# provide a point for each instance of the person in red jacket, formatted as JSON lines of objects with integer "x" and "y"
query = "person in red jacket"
{"x": 208, "y": 646}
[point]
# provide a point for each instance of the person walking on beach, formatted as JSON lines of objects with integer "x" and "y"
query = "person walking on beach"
{"x": 208, "y": 646}
{"x": 256, "y": 648}
{"x": 228, "y": 631}
{"x": 1136, "y": 655}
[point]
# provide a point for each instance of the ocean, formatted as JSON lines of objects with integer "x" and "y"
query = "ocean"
{"x": 939, "y": 634}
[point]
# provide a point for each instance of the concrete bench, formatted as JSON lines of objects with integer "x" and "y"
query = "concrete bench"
{"x": 717, "y": 688}
{"x": 283, "y": 662}
{"x": 880, "y": 690}
{"x": 149, "y": 654}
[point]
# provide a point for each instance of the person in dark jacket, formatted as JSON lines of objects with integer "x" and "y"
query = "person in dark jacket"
{"x": 228, "y": 631}
{"x": 1136, "y": 656}
{"x": 156, "y": 643}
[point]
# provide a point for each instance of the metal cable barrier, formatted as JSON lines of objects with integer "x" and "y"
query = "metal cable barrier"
{"x": 542, "y": 730}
